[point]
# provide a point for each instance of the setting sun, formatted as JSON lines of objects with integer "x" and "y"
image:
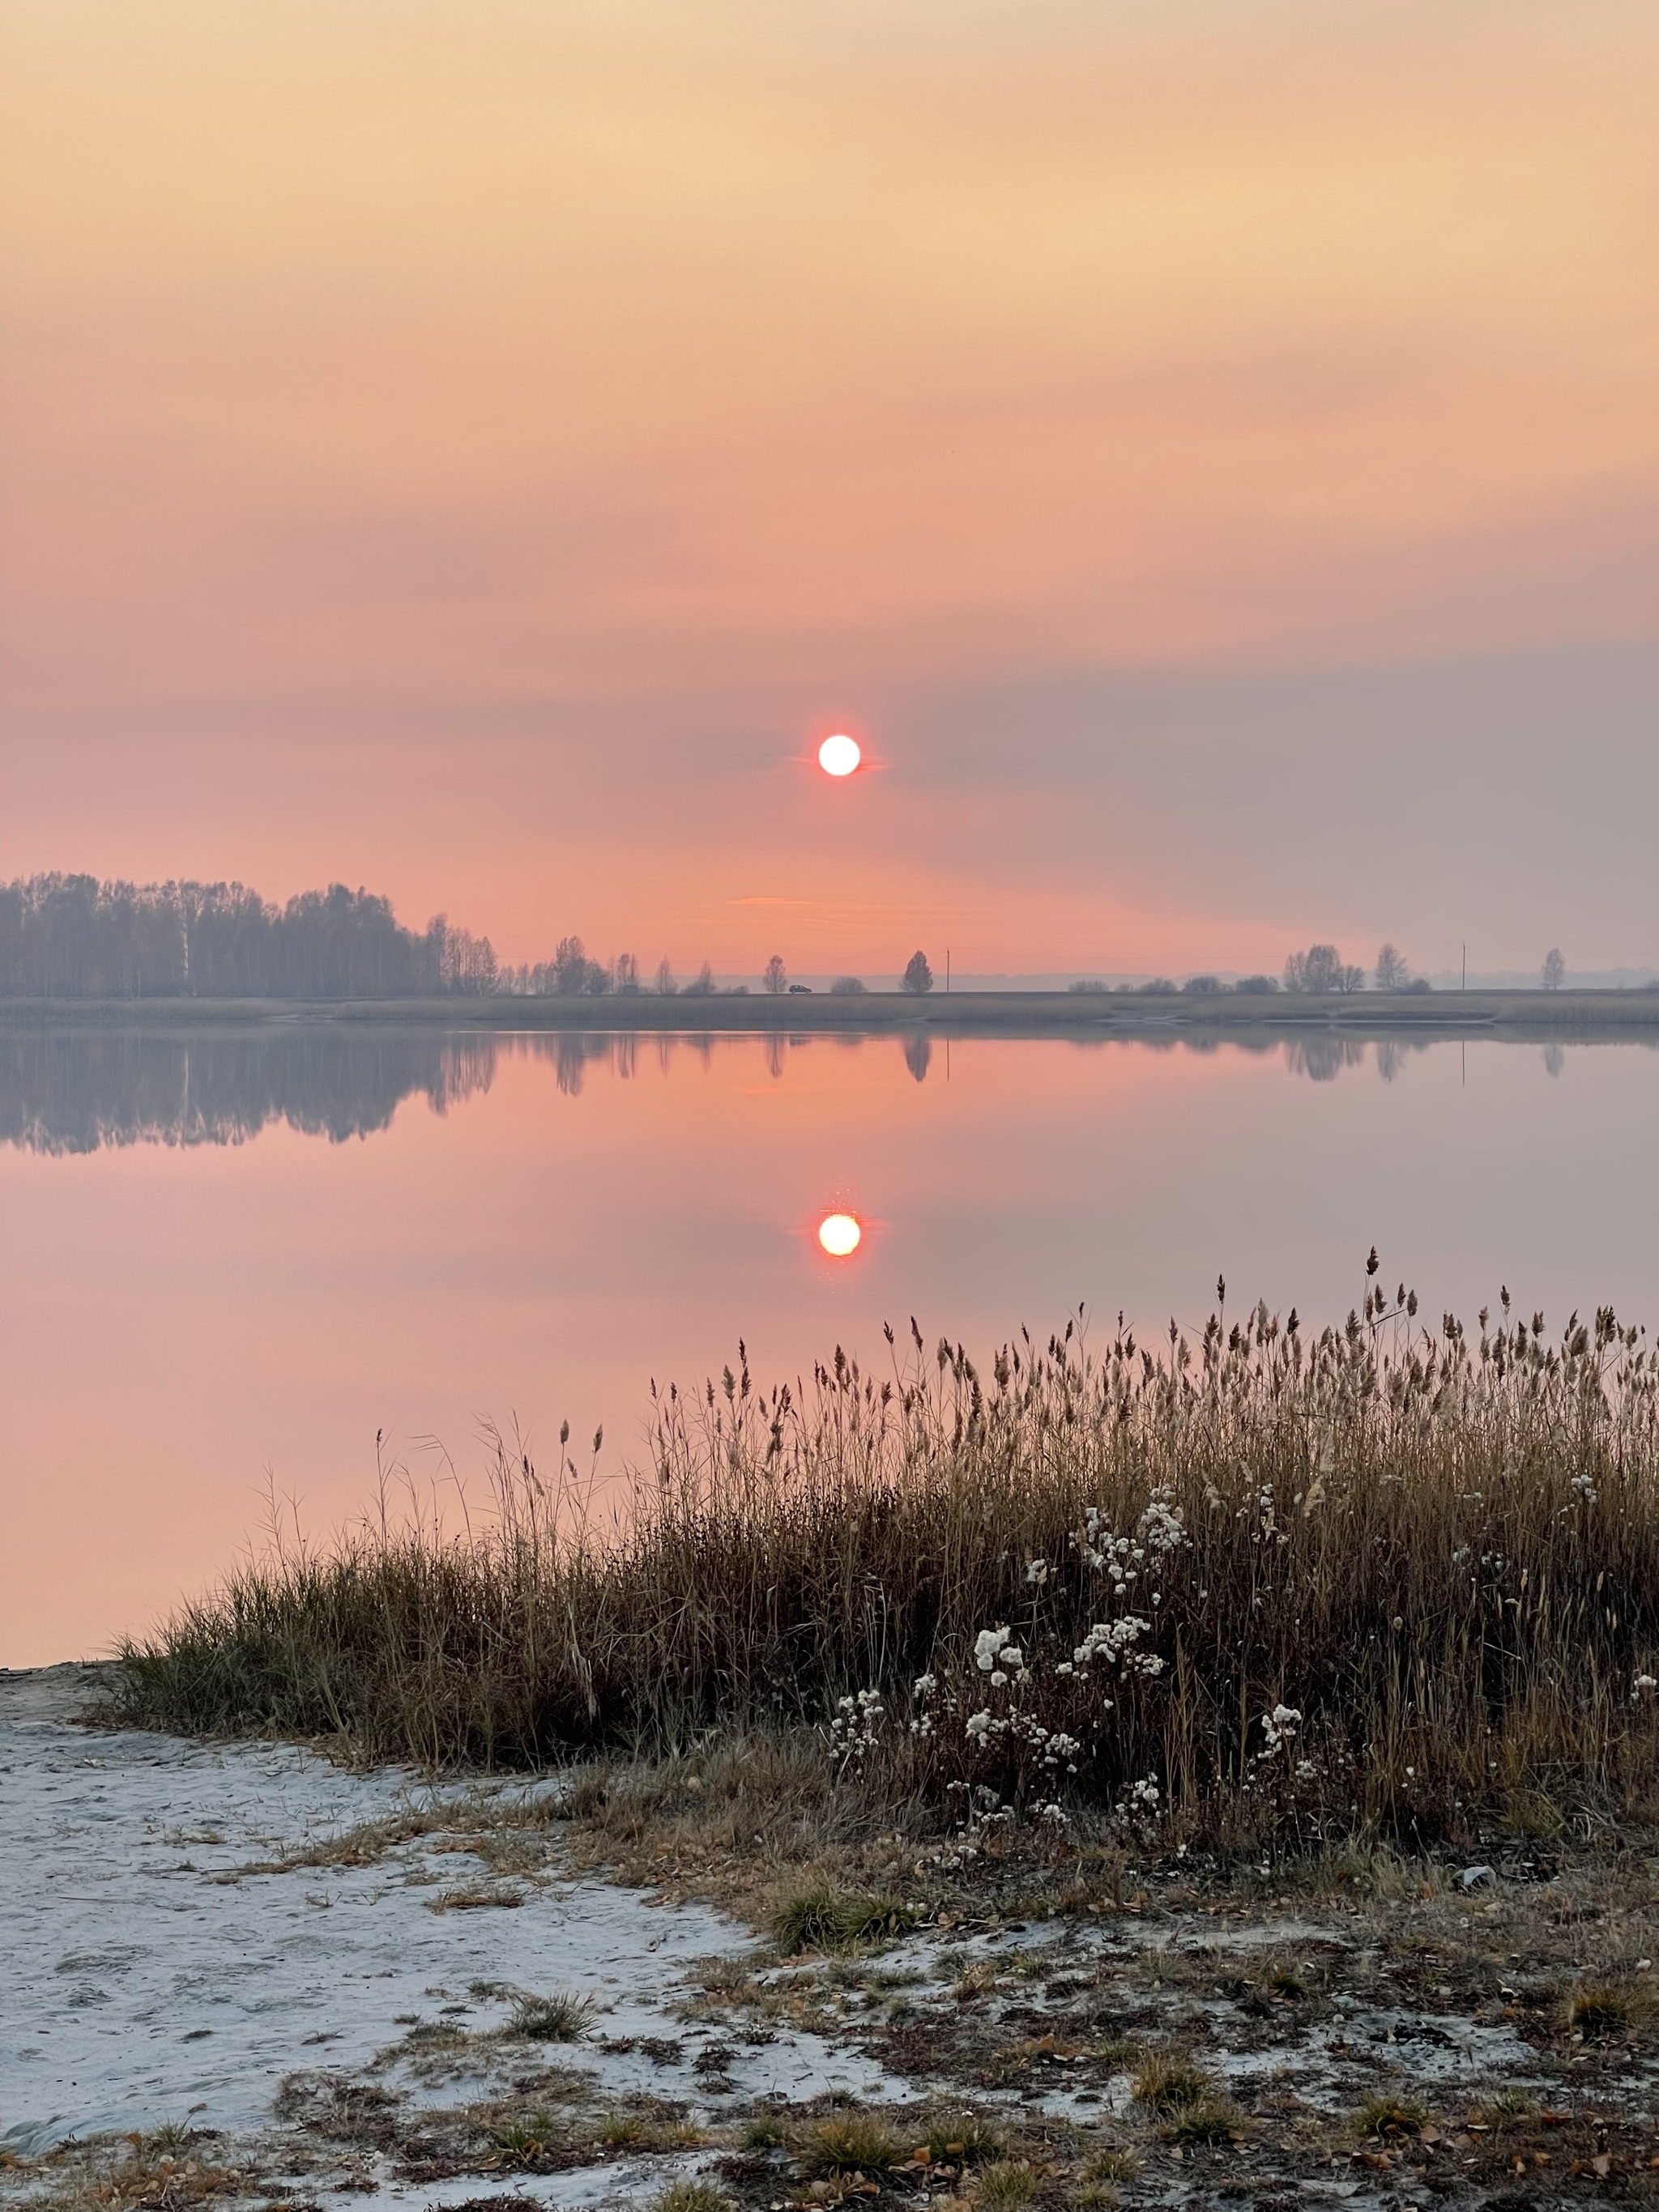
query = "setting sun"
{"x": 839, "y": 756}
{"x": 840, "y": 1235}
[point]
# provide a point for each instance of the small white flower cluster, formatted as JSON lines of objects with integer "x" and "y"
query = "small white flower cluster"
{"x": 923, "y": 1689}
{"x": 1005, "y": 1721}
{"x": 1161, "y": 1529}
{"x": 1114, "y": 1555}
{"x": 1269, "y": 1531}
{"x": 997, "y": 1654}
{"x": 855, "y": 1728}
{"x": 1643, "y": 1685}
{"x": 1116, "y": 1640}
{"x": 1584, "y": 1489}
{"x": 1280, "y": 1728}
{"x": 1159, "y": 1532}
{"x": 1140, "y": 1803}
{"x": 986, "y": 1811}
{"x": 1055, "y": 1747}
{"x": 1061, "y": 1750}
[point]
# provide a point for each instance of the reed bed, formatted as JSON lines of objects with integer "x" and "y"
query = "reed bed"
{"x": 1263, "y": 1583}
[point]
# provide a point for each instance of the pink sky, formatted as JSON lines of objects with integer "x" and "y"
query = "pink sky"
{"x": 1212, "y": 455}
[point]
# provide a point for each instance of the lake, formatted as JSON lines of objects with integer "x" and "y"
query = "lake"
{"x": 229, "y": 1259}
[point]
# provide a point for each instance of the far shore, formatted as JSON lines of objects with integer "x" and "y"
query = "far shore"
{"x": 1589, "y": 1016}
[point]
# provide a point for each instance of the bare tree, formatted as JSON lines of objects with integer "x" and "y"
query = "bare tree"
{"x": 918, "y": 976}
{"x": 775, "y": 977}
{"x": 1393, "y": 970}
{"x": 1322, "y": 968}
{"x": 666, "y": 986}
{"x": 570, "y": 965}
{"x": 702, "y": 985}
{"x": 1553, "y": 969}
{"x": 628, "y": 974}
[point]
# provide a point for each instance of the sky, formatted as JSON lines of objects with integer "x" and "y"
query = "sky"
{"x": 1208, "y": 454}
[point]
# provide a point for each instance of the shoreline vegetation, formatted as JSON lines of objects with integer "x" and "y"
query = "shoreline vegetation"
{"x": 218, "y": 951}
{"x": 1591, "y": 1016}
{"x": 1257, "y": 1595}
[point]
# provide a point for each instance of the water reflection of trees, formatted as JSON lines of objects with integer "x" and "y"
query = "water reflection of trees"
{"x": 1322, "y": 1056}
{"x": 67, "y": 1090}
{"x": 1393, "y": 1054}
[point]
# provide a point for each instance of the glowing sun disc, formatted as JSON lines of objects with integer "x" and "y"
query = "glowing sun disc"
{"x": 839, "y": 756}
{"x": 840, "y": 1235}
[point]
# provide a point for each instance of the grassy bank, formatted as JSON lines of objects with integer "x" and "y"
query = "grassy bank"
{"x": 1386, "y": 1580}
{"x": 1577, "y": 1017}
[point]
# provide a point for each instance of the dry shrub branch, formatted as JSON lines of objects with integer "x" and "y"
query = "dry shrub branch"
{"x": 1258, "y": 1583}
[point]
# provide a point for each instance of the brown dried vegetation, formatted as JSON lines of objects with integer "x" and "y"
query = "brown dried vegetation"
{"x": 1440, "y": 1559}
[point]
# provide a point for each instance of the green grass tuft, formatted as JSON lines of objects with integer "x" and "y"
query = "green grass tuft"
{"x": 852, "y": 2143}
{"x": 824, "y": 1919}
{"x": 693, "y": 2197}
{"x": 1166, "y": 2084}
{"x": 1210, "y": 2120}
{"x": 1600, "y": 2009}
{"x": 964, "y": 2138}
{"x": 1389, "y": 2116}
{"x": 563, "y": 2017}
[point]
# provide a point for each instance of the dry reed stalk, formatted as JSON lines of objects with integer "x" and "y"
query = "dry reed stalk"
{"x": 1382, "y": 1578}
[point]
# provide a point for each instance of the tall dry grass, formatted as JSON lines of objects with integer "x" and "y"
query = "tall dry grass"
{"x": 1382, "y": 1577}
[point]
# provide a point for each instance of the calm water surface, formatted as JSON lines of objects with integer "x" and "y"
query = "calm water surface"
{"x": 236, "y": 1256}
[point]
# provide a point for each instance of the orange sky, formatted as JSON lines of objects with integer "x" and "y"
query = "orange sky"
{"x": 471, "y": 449}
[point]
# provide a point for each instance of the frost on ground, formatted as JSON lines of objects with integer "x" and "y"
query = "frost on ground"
{"x": 186, "y": 1946}
{"x": 240, "y": 1973}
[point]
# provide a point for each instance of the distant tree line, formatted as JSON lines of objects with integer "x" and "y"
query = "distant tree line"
{"x": 74, "y": 937}
{"x": 1319, "y": 969}
{"x": 1322, "y": 968}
